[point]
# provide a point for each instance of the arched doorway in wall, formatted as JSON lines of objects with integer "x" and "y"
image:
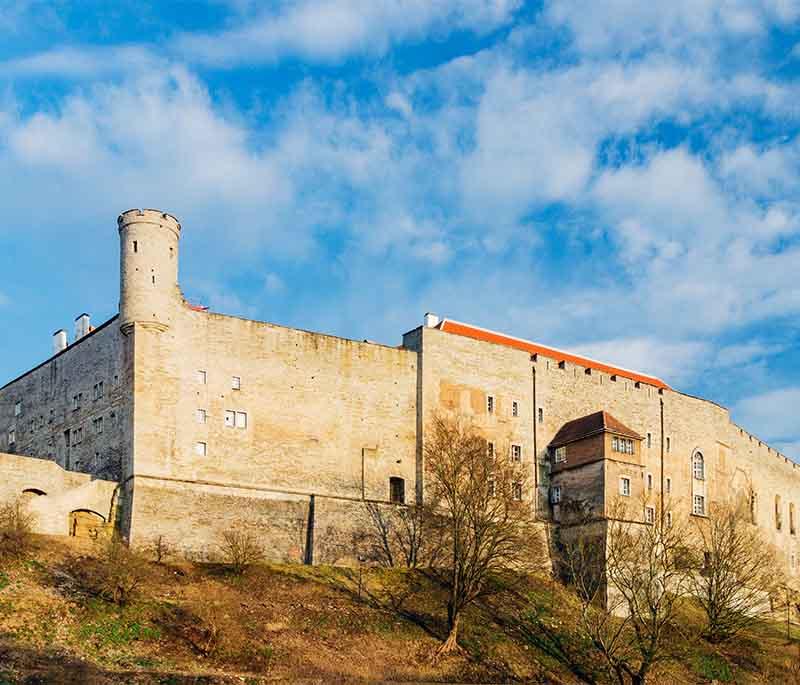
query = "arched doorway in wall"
{"x": 85, "y": 523}
{"x": 32, "y": 493}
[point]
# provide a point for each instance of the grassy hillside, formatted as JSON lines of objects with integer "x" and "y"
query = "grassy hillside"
{"x": 200, "y": 624}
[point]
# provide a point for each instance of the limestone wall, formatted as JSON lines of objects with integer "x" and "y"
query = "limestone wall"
{"x": 47, "y": 406}
{"x": 52, "y": 494}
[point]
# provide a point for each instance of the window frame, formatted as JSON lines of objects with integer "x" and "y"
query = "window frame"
{"x": 698, "y": 460}
{"x": 236, "y": 382}
{"x": 201, "y": 448}
{"x": 515, "y": 409}
{"x": 201, "y": 416}
{"x": 650, "y": 514}
{"x": 560, "y": 454}
{"x": 555, "y": 494}
{"x": 625, "y": 485}
{"x": 701, "y": 510}
{"x": 516, "y": 453}
{"x": 490, "y": 404}
{"x": 394, "y": 483}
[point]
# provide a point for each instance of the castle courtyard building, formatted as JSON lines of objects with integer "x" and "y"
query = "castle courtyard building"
{"x": 172, "y": 421}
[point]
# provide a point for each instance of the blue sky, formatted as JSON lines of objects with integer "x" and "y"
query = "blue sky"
{"x": 615, "y": 177}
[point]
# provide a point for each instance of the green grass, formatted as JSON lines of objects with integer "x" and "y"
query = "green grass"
{"x": 108, "y": 626}
{"x": 713, "y": 667}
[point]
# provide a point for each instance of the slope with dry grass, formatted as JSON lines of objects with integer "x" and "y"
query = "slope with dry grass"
{"x": 191, "y": 623}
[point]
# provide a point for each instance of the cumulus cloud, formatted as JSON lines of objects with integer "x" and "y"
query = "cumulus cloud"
{"x": 333, "y": 30}
{"x": 82, "y": 62}
{"x": 773, "y": 417}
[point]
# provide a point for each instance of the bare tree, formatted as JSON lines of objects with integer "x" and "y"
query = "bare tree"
{"x": 16, "y": 529}
{"x": 240, "y": 548}
{"x": 401, "y": 535}
{"x": 484, "y": 510}
{"x": 736, "y": 571}
{"x": 630, "y": 577}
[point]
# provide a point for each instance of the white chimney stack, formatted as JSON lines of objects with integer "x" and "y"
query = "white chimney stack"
{"x": 81, "y": 326}
{"x": 59, "y": 341}
{"x": 431, "y": 320}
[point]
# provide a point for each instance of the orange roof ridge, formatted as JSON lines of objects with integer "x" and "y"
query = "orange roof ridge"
{"x": 486, "y": 335}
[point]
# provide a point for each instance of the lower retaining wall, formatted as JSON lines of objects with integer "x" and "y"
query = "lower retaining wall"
{"x": 53, "y": 494}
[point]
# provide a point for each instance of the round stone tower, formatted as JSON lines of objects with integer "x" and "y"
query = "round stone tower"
{"x": 149, "y": 292}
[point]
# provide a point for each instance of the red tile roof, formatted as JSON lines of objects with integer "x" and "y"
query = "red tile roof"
{"x": 586, "y": 426}
{"x": 450, "y": 326}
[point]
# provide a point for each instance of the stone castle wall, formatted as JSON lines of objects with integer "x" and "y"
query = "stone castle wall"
{"x": 92, "y": 438}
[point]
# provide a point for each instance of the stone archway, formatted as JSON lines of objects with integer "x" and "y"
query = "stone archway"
{"x": 32, "y": 493}
{"x": 85, "y": 523}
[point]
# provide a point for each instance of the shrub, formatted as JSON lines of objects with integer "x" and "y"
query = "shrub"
{"x": 161, "y": 549}
{"x": 240, "y": 549}
{"x": 16, "y": 529}
{"x": 114, "y": 575}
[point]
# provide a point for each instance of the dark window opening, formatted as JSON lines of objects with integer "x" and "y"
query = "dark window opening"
{"x": 135, "y": 245}
{"x": 397, "y": 490}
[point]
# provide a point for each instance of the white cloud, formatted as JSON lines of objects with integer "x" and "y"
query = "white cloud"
{"x": 771, "y": 415}
{"x": 82, "y": 62}
{"x": 629, "y": 26}
{"x": 5, "y": 300}
{"x": 673, "y": 362}
{"x": 333, "y": 30}
{"x": 745, "y": 353}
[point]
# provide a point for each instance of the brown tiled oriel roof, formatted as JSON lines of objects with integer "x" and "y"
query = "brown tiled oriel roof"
{"x": 599, "y": 422}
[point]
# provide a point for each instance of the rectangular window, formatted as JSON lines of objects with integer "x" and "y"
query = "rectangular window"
{"x": 541, "y": 415}
{"x": 516, "y": 452}
{"x": 98, "y": 390}
{"x": 668, "y": 444}
{"x": 230, "y": 419}
{"x": 649, "y": 440}
{"x": 555, "y": 494}
{"x": 18, "y": 408}
{"x": 490, "y": 487}
{"x": 625, "y": 486}
{"x": 200, "y": 449}
{"x": 669, "y": 519}
{"x": 516, "y": 491}
{"x": 52, "y": 416}
{"x": 241, "y": 419}
{"x": 12, "y": 437}
{"x": 490, "y": 449}
{"x": 622, "y": 445}
{"x": 649, "y": 481}
{"x": 236, "y": 383}
{"x": 668, "y": 485}
{"x": 650, "y": 514}
{"x": 200, "y": 377}
{"x": 561, "y": 454}
{"x": 489, "y": 404}
{"x": 200, "y": 415}
{"x": 699, "y": 505}
{"x": 76, "y": 401}
{"x": 792, "y": 530}
{"x": 98, "y": 425}
{"x": 515, "y": 408}
{"x": 397, "y": 490}
{"x": 778, "y": 513}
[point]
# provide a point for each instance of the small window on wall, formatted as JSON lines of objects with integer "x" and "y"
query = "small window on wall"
{"x": 230, "y": 419}
{"x": 200, "y": 377}
{"x": 516, "y": 452}
{"x": 669, "y": 444}
{"x": 200, "y": 416}
{"x": 555, "y": 494}
{"x": 668, "y": 485}
{"x": 397, "y": 490}
{"x": 515, "y": 408}
{"x": 649, "y": 481}
{"x": 541, "y": 415}
{"x": 625, "y": 486}
{"x": 12, "y": 437}
{"x": 561, "y": 454}
{"x": 18, "y": 408}
{"x": 489, "y": 404}
{"x": 669, "y": 519}
{"x": 200, "y": 449}
{"x": 699, "y": 505}
{"x": 490, "y": 450}
{"x": 753, "y": 506}
{"x": 650, "y": 514}
{"x": 792, "y": 528}
{"x": 778, "y": 513}
{"x": 241, "y": 419}
{"x": 236, "y": 383}
{"x": 516, "y": 491}
{"x": 649, "y": 440}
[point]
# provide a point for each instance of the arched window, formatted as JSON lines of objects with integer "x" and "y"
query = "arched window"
{"x": 698, "y": 466}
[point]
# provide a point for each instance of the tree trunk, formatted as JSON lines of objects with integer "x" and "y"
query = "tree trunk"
{"x": 450, "y": 645}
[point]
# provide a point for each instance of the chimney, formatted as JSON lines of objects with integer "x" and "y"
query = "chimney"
{"x": 81, "y": 326}
{"x": 431, "y": 320}
{"x": 59, "y": 341}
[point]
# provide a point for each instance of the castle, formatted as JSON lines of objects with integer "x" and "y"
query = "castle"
{"x": 172, "y": 421}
